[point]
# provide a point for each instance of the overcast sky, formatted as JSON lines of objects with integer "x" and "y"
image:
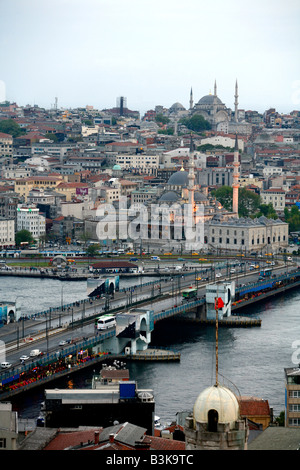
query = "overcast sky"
{"x": 152, "y": 52}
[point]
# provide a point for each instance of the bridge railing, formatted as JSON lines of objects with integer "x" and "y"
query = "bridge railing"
{"x": 179, "y": 309}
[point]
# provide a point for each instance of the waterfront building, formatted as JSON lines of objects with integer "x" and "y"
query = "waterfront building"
{"x": 7, "y": 233}
{"x": 29, "y": 218}
{"x": 292, "y": 397}
{"x": 102, "y": 406}
{"x": 246, "y": 234}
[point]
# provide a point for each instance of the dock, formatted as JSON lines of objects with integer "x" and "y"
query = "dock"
{"x": 154, "y": 355}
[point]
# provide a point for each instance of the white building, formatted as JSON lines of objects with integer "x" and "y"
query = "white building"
{"x": 141, "y": 162}
{"x": 29, "y": 218}
{"x": 7, "y": 233}
{"x": 272, "y": 170}
{"x": 247, "y": 235}
{"x": 274, "y": 196}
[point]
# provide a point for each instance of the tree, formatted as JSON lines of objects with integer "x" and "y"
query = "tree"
{"x": 9, "y": 126}
{"x": 92, "y": 250}
{"x": 248, "y": 200}
{"x": 196, "y": 123}
{"x": 23, "y": 236}
{"x": 292, "y": 217}
{"x": 267, "y": 210}
{"x": 161, "y": 119}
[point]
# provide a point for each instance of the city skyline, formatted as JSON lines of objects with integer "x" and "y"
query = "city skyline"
{"x": 152, "y": 53}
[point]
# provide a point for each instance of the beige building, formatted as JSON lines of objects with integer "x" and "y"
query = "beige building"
{"x": 6, "y": 147}
{"x": 24, "y": 185}
{"x": 274, "y": 196}
{"x": 9, "y": 427}
{"x": 71, "y": 190}
{"x": 144, "y": 163}
{"x": 110, "y": 193}
{"x": 7, "y": 233}
{"x": 247, "y": 235}
{"x": 292, "y": 390}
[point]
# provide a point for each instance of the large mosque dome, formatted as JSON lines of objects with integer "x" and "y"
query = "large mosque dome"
{"x": 180, "y": 178}
{"x": 217, "y": 400}
{"x": 209, "y": 100}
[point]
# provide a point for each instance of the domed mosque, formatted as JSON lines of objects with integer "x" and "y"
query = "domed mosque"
{"x": 181, "y": 188}
{"x": 212, "y": 109}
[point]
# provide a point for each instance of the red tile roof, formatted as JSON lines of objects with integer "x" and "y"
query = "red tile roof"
{"x": 253, "y": 406}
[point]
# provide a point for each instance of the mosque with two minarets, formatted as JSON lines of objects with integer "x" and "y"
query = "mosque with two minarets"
{"x": 212, "y": 109}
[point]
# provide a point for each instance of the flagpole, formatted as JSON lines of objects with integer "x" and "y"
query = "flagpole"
{"x": 217, "y": 324}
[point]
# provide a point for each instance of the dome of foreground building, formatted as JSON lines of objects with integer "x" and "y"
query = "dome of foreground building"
{"x": 216, "y": 404}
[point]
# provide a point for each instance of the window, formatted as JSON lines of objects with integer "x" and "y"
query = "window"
{"x": 2, "y": 443}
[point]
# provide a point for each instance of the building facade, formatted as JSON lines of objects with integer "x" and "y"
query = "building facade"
{"x": 247, "y": 235}
{"x": 292, "y": 397}
{"x": 29, "y": 218}
{"x": 7, "y": 233}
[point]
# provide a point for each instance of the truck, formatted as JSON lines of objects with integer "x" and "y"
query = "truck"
{"x": 35, "y": 352}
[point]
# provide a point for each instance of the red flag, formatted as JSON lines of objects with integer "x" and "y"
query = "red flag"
{"x": 219, "y": 303}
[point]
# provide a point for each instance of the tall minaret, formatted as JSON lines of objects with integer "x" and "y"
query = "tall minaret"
{"x": 191, "y": 175}
{"x": 235, "y": 185}
{"x": 236, "y": 102}
{"x": 215, "y": 88}
{"x": 191, "y": 99}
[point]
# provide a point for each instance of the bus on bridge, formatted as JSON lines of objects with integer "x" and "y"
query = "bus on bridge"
{"x": 189, "y": 293}
{"x": 265, "y": 273}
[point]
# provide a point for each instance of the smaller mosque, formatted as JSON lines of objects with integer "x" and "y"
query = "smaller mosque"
{"x": 216, "y": 423}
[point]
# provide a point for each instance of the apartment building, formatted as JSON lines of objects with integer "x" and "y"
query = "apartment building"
{"x": 139, "y": 162}
{"x": 274, "y": 196}
{"x": 24, "y": 185}
{"x": 29, "y": 218}
{"x": 6, "y": 147}
{"x": 292, "y": 397}
{"x": 7, "y": 233}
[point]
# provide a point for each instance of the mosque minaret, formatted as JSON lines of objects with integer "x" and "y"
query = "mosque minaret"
{"x": 235, "y": 184}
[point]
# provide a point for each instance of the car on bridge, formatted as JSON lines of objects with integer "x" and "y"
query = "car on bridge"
{"x": 24, "y": 358}
{"x": 5, "y": 365}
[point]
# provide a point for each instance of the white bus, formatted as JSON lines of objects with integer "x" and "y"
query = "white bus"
{"x": 105, "y": 322}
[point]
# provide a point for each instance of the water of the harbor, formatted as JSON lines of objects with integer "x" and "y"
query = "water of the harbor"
{"x": 252, "y": 359}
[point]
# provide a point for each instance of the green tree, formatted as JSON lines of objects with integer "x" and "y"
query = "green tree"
{"x": 161, "y": 119}
{"x": 267, "y": 210}
{"x": 51, "y": 137}
{"x": 23, "y": 236}
{"x": 92, "y": 250}
{"x": 196, "y": 123}
{"x": 9, "y": 126}
{"x": 224, "y": 196}
{"x": 248, "y": 200}
{"x": 292, "y": 217}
